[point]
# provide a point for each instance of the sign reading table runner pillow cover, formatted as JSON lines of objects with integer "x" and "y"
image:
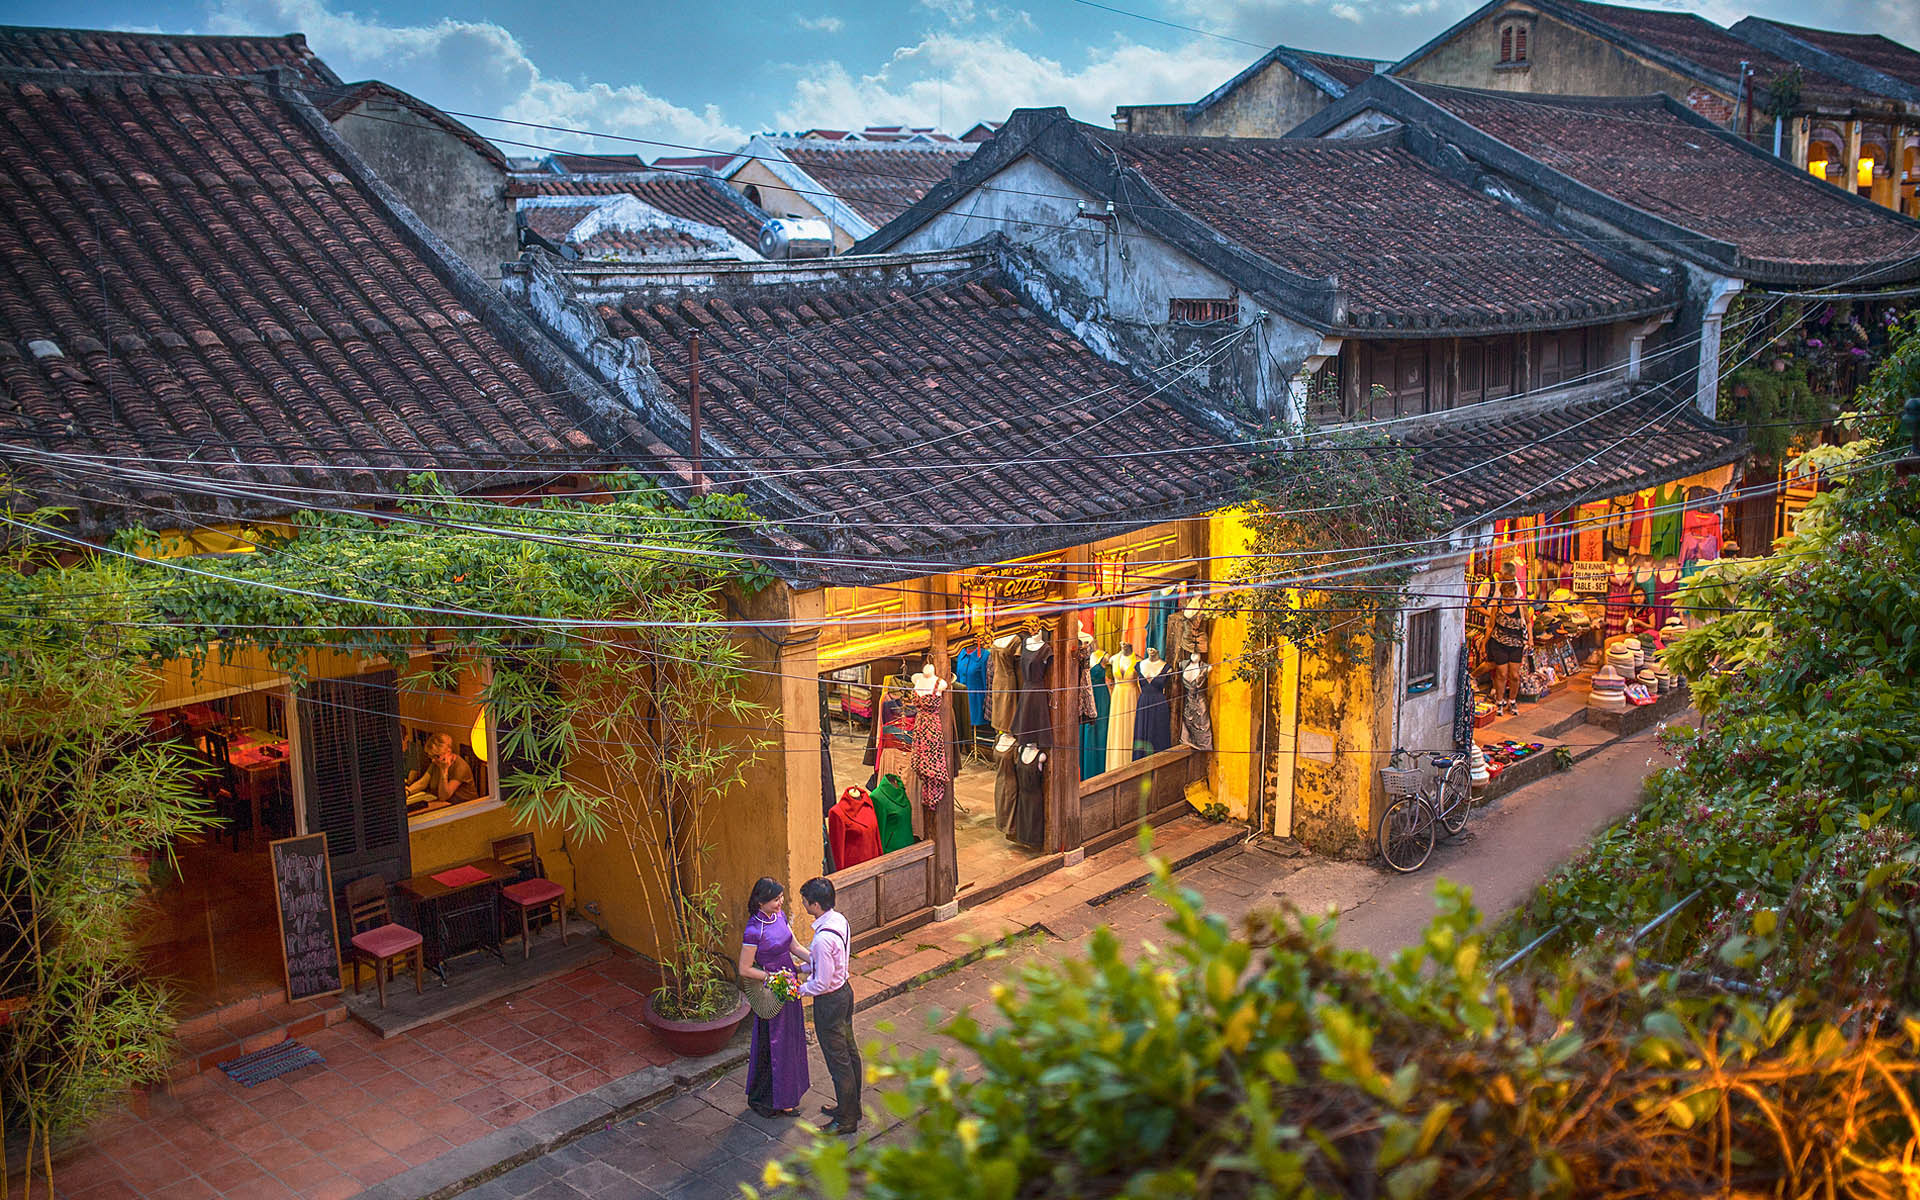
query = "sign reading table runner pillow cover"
{"x": 303, "y": 895}
{"x": 1590, "y": 576}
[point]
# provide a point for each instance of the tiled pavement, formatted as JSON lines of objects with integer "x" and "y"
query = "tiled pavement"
{"x": 374, "y": 1108}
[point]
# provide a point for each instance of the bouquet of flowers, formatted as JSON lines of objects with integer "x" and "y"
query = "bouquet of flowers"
{"x": 785, "y": 986}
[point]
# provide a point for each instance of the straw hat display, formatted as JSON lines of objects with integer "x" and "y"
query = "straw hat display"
{"x": 1609, "y": 690}
{"x": 1477, "y": 773}
{"x": 1621, "y": 658}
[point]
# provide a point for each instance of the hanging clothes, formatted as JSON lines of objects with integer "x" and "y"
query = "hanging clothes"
{"x": 1620, "y": 595}
{"x": 1033, "y": 716}
{"x": 1005, "y": 666}
{"x": 1591, "y": 519}
{"x": 932, "y": 756}
{"x": 1620, "y": 525}
{"x": 1030, "y": 805}
{"x": 970, "y": 669}
{"x": 1664, "y": 538}
{"x": 963, "y": 728}
{"x": 1093, "y": 734}
{"x": 1124, "y": 699}
{"x": 1196, "y": 723}
{"x": 1463, "y": 702}
{"x": 1699, "y": 536}
{"x": 1666, "y": 588}
{"x": 894, "y": 813}
{"x": 1006, "y": 787}
{"x": 1151, "y": 732}
{"x": 1158, "y": 610}
{"x": 853, "y": 829}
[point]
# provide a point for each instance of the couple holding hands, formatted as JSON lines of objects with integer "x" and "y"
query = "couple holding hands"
{"x": 770, "y": 962}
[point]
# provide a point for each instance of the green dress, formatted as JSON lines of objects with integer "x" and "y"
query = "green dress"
{"x": 1093, "y": 734}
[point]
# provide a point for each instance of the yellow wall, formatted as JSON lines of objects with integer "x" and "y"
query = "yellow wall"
{"x": 1234, "y": 772}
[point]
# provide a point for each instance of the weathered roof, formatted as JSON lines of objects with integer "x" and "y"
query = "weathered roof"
{"x": 1371, "y": 235}
{"x": 1540, "y": 461}
{"x": 623, "y": 228}
{"x": 338, "y": 104}
{"x": 698, "y": 195}
{"x": 165, "y": 53}
{"x": 902, "y": 421}
{"x": 878, "y": 181}
{"x": 203, "y": 277}
{"x": 1344, "y": 67}
{"x": 1865, "y": 59}
{"x": 1883, "y": 54}
{"x": 1333, "y": 74}
{"x": 587, "y": 164}
{"x": 1710, "y": 195}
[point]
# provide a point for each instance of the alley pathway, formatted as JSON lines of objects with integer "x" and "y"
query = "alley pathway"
{"x": 703, "y": 1144}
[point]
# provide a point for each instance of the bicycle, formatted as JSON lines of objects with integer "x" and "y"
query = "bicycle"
{"x": 1407, "y": 830}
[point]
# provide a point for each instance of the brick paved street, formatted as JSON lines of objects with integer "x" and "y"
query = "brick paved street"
{"x": 704, "y": 1144}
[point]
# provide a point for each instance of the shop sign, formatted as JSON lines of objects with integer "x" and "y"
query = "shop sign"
{"x": 1590, "y": 577}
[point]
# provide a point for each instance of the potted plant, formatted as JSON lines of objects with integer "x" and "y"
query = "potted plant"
{"x": 697, "y": 1009}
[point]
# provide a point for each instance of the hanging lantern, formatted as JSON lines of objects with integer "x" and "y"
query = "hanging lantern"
{"x": 479, "y": 735}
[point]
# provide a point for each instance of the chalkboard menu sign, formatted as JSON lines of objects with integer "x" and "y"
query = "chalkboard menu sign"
{"x": 303, "y": 892}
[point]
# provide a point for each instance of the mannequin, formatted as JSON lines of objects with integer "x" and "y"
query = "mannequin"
{"x": 1123, "y": 684}
{"x": 1004, "y": 683}
{"x": 1152, "y": 664}
{"x": 1196, "y": 724}
{"x": 1033, "y": 714}
{"x": 1666, "y": 585}
{"x": 1152, "y": 726}
{"x": 1006, "y": 786}
{"x": 853, "y": 831}
{"x": 1030, "y": 808}
{"x": 932, "y": 756}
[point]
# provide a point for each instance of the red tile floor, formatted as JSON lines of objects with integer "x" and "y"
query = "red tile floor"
{"x": 374, "y": 1108}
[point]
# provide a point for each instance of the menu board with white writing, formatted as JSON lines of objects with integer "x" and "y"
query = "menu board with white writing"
{"x": 303, "y": 893}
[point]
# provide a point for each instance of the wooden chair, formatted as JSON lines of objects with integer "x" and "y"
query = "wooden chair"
{"x": 534, "y": 891}
{"x": 376, "y": 938}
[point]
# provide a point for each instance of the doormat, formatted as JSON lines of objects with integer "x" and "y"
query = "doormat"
{"x": 271, "y": 1063}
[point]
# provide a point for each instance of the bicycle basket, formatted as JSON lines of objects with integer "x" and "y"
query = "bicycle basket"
{"x": 1400, "y": 781}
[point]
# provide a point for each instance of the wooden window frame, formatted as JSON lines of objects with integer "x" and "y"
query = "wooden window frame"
{"x": 1423, "y": 650}
{"x": 1202, "y": 311}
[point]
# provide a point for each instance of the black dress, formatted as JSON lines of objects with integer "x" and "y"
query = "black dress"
{"x": 1030, "y": 806}
{"x": 1152, "y": 721}
{"x": 1033, "y": 721}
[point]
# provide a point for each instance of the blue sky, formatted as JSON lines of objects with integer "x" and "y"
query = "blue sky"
{"x": 706, "y": 74}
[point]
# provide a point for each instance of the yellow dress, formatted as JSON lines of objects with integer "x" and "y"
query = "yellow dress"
{"x": 1123, "y": 687}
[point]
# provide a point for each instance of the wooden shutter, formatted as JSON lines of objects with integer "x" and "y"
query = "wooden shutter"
{"x": 350, "y": 739}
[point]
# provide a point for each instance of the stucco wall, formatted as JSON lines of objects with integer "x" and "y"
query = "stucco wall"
{"x": 457, "y": 192}
{"x": 1122, "y": 279}
{"x": 1344, "y": 734}
{"x": 1425, "y": 722}
{"x": 1561, "y": 60}
{"x": 1269, "y": 104}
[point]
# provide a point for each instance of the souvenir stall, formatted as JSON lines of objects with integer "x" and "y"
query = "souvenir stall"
{"x": 1591, "y": 577}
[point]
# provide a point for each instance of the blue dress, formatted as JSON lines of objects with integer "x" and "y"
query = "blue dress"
{"x": 970, "y": 668}
{"x": 777, "y": 1062}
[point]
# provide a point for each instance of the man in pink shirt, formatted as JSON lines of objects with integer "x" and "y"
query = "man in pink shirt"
{"x": 832, "y": 990}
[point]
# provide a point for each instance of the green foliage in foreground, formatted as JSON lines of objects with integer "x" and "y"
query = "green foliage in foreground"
{"x": 1269, "y": 1063}
{"x": 1794, "y": 815}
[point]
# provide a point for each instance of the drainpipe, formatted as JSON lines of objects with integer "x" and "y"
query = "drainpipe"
{"x": 1779, "y": 128}
{"x": 1706, "y": 396}
{"x": 1745, "y": 98}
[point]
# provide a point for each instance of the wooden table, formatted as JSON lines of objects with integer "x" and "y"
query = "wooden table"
{"x": 461, "y": 918}
{"x": 258, "y": 770}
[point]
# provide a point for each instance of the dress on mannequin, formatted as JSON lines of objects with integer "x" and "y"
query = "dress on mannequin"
{"x": 1030, "y": 809}
{"x": 1006, "y": 786}
{"x": 1151, "y": 722}
{"x": 1666, "y": 585}
{"x": 931, "y": 758}
{"x": 1093, "y": 734}
{"x": 1196, "y": 724}
{"x": 1005, "y": 657}
{"x": 1122, "y": 701}
{"x": 1033, "y": 719}
{"x": 1620, "y": 596}
{"x": 853, "y": 830}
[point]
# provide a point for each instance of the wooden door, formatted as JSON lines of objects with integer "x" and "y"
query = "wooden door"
{"x": 350, "y": 743}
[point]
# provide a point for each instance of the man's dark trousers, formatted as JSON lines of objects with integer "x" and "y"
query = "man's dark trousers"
{"x": 833, "y": 1027}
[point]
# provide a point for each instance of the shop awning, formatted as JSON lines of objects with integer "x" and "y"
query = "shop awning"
{"x": 1541, "y": 461}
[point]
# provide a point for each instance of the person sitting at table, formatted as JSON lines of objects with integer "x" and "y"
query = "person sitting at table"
{"x": 445, "y": 779}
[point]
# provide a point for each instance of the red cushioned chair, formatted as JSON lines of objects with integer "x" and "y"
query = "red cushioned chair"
{"x": 534, "y": 893}
{"x": 376, "y": 939}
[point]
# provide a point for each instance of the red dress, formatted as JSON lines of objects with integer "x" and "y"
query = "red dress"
{"x": 853, "y": 832}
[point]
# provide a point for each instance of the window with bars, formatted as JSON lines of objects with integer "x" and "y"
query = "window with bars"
{"x": 1201, "y": 312}
{"x": 1423, "y": 650}
{"x": 1513, "y": 44}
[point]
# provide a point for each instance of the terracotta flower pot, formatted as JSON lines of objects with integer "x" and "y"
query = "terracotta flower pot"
{"x": 695, "y": 1039}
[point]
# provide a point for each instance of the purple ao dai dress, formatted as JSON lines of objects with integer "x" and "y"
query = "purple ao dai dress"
{"x": 777, "y": 1063}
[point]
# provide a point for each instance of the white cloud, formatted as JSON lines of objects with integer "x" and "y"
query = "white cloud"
{"x": 820, "y": 24}
{"x": 957, "y": 80}
{"x": 480, "y": 67}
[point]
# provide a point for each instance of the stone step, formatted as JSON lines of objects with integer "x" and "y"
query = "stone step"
{"x": 229, "y": 1032}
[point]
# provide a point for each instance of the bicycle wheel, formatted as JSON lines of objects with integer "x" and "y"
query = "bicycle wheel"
{"x": 1455, "y": 798}
{"x": 1405, "y": 836}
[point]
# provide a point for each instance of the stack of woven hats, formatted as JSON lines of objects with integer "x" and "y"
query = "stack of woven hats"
{"x": 1609, "y": 693}
{"x": 1622, "y": 657}
{"x": 1477, "y": 773}
{"x": 1674, "y": 627}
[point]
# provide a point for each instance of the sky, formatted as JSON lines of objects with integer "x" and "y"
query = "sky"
{"x": 679, "y": 77}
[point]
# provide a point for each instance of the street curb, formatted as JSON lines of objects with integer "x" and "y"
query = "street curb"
{"x": 1227, "y": 842}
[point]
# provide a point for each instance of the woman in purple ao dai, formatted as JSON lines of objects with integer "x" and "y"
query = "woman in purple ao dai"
{"x": 777, "y": 1062}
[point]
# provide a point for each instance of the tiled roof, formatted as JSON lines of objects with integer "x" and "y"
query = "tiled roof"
{"x": 949, "y": 417}
{"x": 711, "y": 162}
{"x": 587, "y": 164}
{"x": 1882, "y": 54}
{"x": 554, "y": 221}
{"x": 1699, "y": 41}
{"x": 338, "y": 104}
{"x": 877, "y": 181}
{"x": 696, "y": 196}
{"x": 1402, "y": 239}
{"x": 165, "y": 53}
{"x": 195, "y": 272}
{"x": 1350, "y": 71}
{"x": 627, "y": 230}
{"x": 1641, "y": 152}
{"x": 1509, "y": 463}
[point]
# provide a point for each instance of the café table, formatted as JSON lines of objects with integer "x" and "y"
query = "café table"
{"x": 458, "y": 909}
{"x": 257, "y": 759}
